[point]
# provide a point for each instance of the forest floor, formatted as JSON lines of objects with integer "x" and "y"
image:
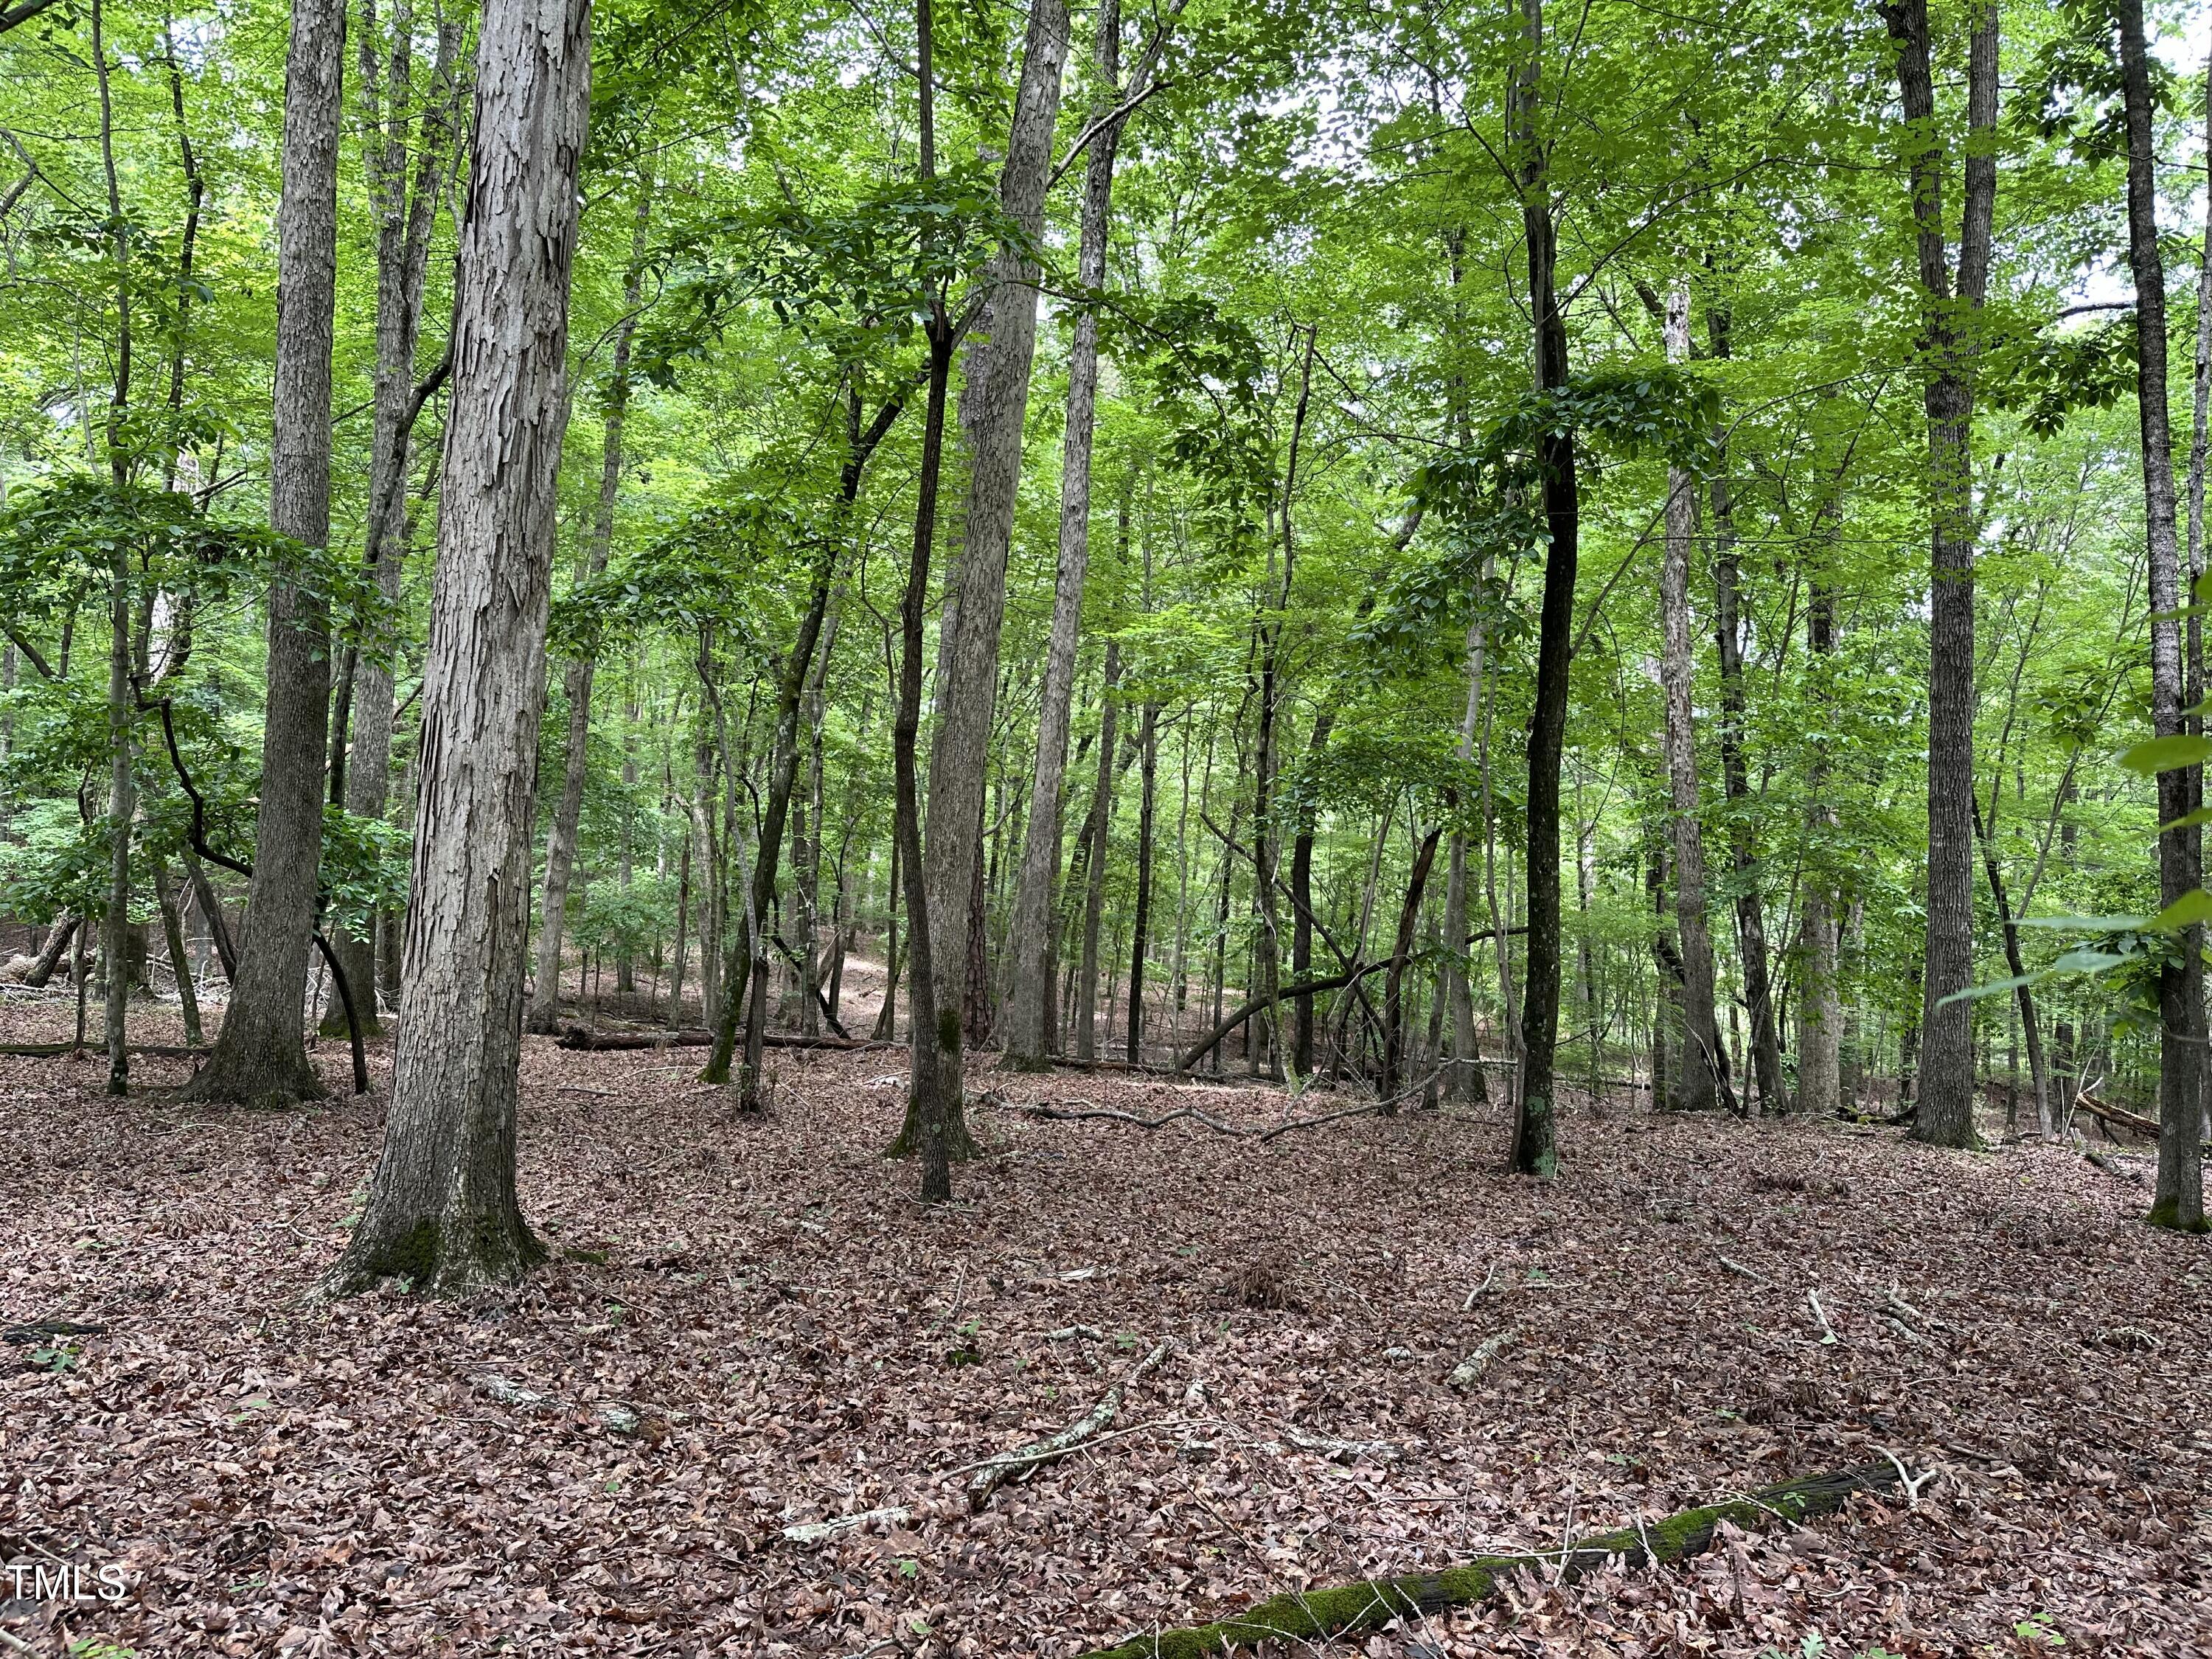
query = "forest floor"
{"x": 750, "y": 1324}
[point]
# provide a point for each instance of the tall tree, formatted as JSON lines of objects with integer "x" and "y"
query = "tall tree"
{"x": 442, "y": 1211}
{"x": 994, "y": 399}
{"x": 1944, "y": 1114}
{"x": 1534, "y": 1143}
{"x": 1703, "y": 1082}
{"x": 1026, "y": 1027}
{"x": 2178, "y": 1201}
{"x": 544, "y": 1011}
{"x": 260, "y": 1055}
{"x": 406, "y": 209}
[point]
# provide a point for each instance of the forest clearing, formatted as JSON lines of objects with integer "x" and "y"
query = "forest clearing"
{"x": 749, "y": 1327}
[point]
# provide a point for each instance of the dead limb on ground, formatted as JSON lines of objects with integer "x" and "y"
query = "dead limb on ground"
{"x": 2119, "y": 1118}
{"x": 1315, "y": 1615}
{"x": 1076, "y": 1112}
{"x": 993, "y": 1472}
{"x": 582, "y": 1037}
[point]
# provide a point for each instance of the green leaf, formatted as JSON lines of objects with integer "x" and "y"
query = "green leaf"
{"x": 2189, "y": 910}
{"x": 2156, "y": 755}
{"x": 2088, "y": 924}
{"x": 2188, "y": 820}
{"x": 1998, "y": 987}
{"x": 2086, "y": 961}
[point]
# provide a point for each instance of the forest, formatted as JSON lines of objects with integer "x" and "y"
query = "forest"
{"x": 855, "y": 828}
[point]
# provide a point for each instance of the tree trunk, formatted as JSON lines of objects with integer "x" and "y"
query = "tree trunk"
{"x": 576, "y": 679}
{"x": 1148, "y": 746}
{"x": 2178, "y": 1201}
{"x": 1101, "y": 837}
{"x": 1535, "y": 1141}
{"x": 1401, "y": 952}
{"x": 1820, "y": 1030}
{"x": 1703, "y": 1084}
{"x": 1029, "y": 1032}
{"x": 173, "y": 937}
{"x": 1946, "y": 1113}
{"x": 1736, "y": 777}
{"x": 405, "y": 217}
{"x": 994, "y": 401}
{"x": 260, "y": 1055}
{"x": 442, "y": 1213}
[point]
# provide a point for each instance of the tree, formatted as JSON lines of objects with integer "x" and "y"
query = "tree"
{"x": 260, "y": 1055}
{"x": 1944, "y": 1113}
{"x": 443, "y": 1213}
{"x": 2178, "y": 1201}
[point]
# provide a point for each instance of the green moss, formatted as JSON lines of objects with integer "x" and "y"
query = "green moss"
{"x": 1312, "y": 1615}
{"x": 2166, "y": 1213}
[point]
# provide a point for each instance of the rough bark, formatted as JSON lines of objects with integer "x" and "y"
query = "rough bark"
{"x": 576, "y": 678}
{"x": 1702, "y": 1084}
{"x": 1534, "y": 1143}
{"x": 994, "y": 399}
{"x": 2178, "y": 1199}
{"x": 442, "y": 1213}
{"x": 1946, "y": 1113}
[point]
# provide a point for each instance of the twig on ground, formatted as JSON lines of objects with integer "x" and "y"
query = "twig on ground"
{"x": 1907, "y": 1479}
{"x": 994, "y": 1473}
{"x": 1481, "y": 1290}
{"x": 1828, "y": 1337}
{"x": 1742, "y": 1271}
{"x": 816, "y": 1532}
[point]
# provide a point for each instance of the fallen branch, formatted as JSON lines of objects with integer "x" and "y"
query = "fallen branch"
{"x": 816, "y": 1532}
{"x": 1316, "y": 1616}
{"x": 1469, "y": 1371}
{"x": 1077, "y": 1113}
{"x": 1374, "y": 1451}
{"x": 2118, "y": 1117}
{"x": 995, "y": 1472}
{"x": 582, "y": 1037}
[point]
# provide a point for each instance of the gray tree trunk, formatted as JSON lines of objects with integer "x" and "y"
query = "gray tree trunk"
{"x": 994, "y": 403}
{"x": 2178, "y": 1201}
{"x": 442, "y": 1211}
{"x": 404, "y": 220}
{"x": 1820, "y": 1014}
{"x": 1702, "y": 1083}
{"x": 1094, "y": 892}
{"x": 1945, "y": 1113}
{"x": 1027, "y": 1024}
{"x": 543, "y": 1014}
{"x": 1464, "y": 1081}
{"x": 260, "y": 1055}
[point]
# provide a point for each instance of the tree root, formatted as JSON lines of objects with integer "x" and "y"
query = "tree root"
{"x": 997, "y": 1471}
{"x": 1315, "y": 1615}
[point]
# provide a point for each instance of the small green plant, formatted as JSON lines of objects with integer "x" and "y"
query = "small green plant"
{"x": 57, "y": 1359}
{"x": 2040, "y": 1630}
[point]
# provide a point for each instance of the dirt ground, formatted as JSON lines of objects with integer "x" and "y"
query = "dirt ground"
{"x": 750, "y": 1325}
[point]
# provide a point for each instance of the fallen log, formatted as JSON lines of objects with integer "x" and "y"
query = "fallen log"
{"x": 2119, "y": 1118}
{"x": 1315, "y": 1615}
{"x": 994, "y": 1473}
{"x": 582, "y": 1037}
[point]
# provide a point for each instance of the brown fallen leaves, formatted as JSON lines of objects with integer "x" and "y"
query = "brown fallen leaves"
{"x": 751, "y": 1327}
